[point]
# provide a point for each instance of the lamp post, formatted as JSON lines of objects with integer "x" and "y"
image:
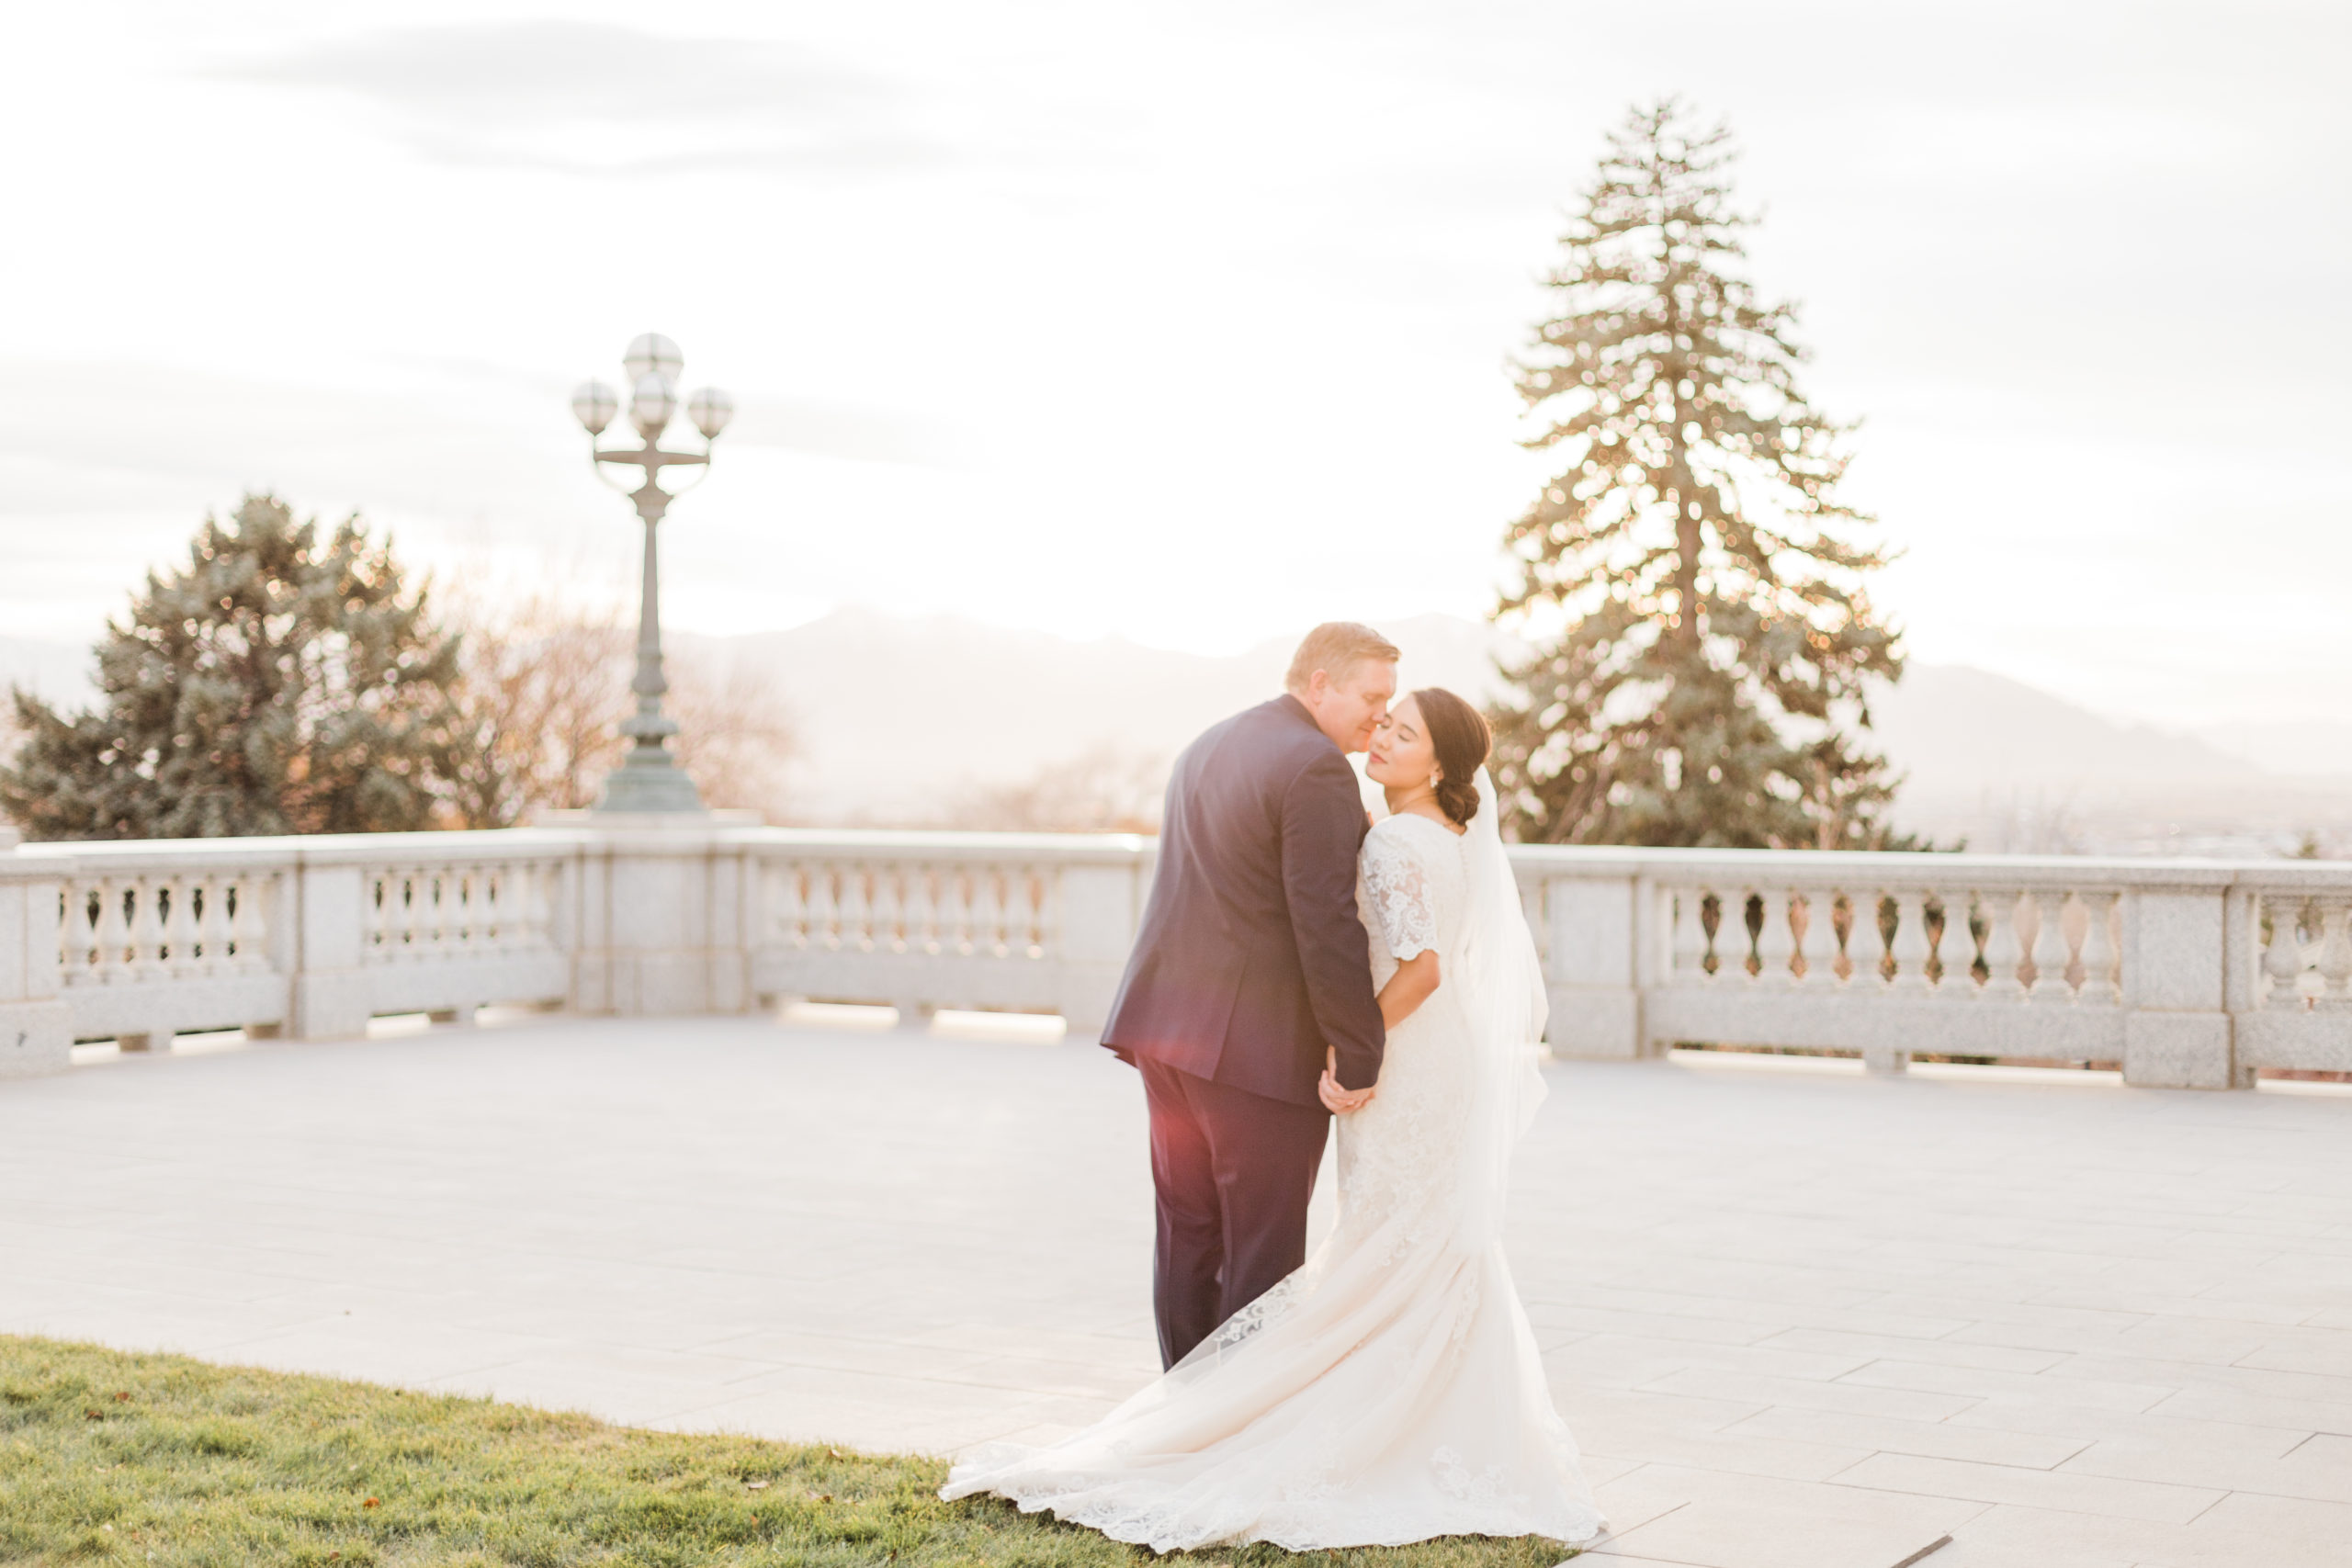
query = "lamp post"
{"x": 649, "y": 778}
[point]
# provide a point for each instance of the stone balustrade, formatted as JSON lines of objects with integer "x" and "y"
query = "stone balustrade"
{"x": 2187, "y": 972}
{"x": 1023, "y": 922}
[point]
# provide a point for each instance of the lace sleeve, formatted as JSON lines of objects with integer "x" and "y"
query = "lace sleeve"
{"x": 1399, "y": 890}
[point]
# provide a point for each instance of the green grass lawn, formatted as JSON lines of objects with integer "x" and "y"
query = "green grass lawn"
{"x": 112, "y": 1458}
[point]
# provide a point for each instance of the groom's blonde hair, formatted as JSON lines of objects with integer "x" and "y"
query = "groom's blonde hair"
{"x": 1336, "y": 647}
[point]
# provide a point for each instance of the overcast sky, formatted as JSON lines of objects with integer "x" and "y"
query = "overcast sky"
{"x": 1187, "y": 322}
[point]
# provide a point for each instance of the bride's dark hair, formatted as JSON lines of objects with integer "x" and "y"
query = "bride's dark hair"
{"x": 1459, "y": 734}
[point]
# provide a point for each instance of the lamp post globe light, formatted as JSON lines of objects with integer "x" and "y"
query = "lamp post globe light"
{"x": 649, "y": 778}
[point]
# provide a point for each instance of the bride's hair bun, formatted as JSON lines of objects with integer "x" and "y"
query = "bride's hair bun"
{"x": 1459, "y": 734}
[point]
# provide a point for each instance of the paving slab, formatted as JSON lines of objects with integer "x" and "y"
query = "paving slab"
{"x": 1796, "y": 1317}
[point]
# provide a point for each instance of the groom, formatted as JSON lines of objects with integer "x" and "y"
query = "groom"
{"x": 1251, "y": 965}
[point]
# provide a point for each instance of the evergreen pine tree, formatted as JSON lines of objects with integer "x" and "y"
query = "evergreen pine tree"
{"x": 277, "y": 683}
{"x": 1687, "y": 578}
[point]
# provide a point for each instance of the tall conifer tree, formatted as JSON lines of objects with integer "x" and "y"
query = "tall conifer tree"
{"x": 1689, "y": 582}
{"x": 279, "y": 682}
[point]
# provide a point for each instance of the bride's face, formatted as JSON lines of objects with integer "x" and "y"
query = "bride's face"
{"x": 1402, "y": 755}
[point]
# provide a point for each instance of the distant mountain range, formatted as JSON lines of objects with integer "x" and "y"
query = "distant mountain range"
{"x": 895, "y": 707}
{"x": 901, "y": 714}
{"x": 897, "y": 712}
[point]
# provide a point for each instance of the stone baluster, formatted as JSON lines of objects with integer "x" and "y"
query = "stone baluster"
{"x": 785, "y": 911}
{"x": 1045, "y": 932}
{"x": 90, "y": 931}
{"x": 73, "y": 947}
{"x": 925, "y": 885}
{"x": 915, "y": 914}
{"x": 401, "y": 898}
{"x": 494, "y": 916}
{"x": 444, "y": 883}
{"x": 416, "y": 891}
{"x": 111, "y": 933}
{"x": 414, "y": 930}
{"x": 505, "y": 902}
{"x": 2335, "y": 954}
{"x": 1868, "y": 945}
{"x": 389, "y": 911}
{"x": 1689, "y": 964}
{"x": 425, "y": 907}
{"x": 116, "y": 906}
{"x": 178, "y": 916}
{"x": 1776, "y": 946}
{"x": 2101, "y": 985}
{"x": 893, "y": 931}
{"x": 1808, "y": 931}
{"x": 824, "y": 926}
{"x": 1020, "y": 911}
{"x": 856, "y": 909}
{"x": 1734, "y": 943}
{"x": 244, "y": 935}
{"x": 147, "y": 927}
{"x": 1830, "y": 949}
{"x": 372, "y": 895}
{"x": 906, "y": 905}
{"x": 2003, "y": 954}
{"x": 486, "y": 893}
{"x": 988, "y": 912}
{"x": 2282, "y": 960}
{"x": 217, "y": 926}
{"x": 474, "y": 925}
{"x": 513, "y": 901}
{"x": 393, "y": 912}
{"x": 2052, "y": 954}
{"x": 212, "y": 924}
{"x": 1911, "y": 947}
{"x": 491, "y": 922}
{"x": 953, "y": 901}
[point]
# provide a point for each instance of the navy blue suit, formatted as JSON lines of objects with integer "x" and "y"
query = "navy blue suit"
{"x": 1251, "y": 962}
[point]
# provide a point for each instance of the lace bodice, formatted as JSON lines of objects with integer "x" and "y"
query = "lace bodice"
{"x": 1413, "y": 890}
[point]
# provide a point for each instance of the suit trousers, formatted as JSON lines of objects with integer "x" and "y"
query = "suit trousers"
{"x": 1233, "y": 1172}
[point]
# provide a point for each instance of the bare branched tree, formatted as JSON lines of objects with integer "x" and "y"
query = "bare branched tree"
{"x": 545, "y": 686}
{"x": 736, "y": 736}
{"x": 1107, "y": 789}
{"x": 543, "y": 683}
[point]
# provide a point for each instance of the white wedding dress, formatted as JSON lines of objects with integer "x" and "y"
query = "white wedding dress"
{"x": 1390, "y": 1391}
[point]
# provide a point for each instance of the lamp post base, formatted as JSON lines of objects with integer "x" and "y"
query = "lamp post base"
{"x": 649, "y": 779}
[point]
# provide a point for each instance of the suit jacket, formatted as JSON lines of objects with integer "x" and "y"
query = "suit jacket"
{"x": 1252, "y": 958}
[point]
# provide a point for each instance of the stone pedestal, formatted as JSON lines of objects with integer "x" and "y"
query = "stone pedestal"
{"x": 36, "y": 1032}
{"x": 2177, "y": 1034}
{"x": 662, "y": 911}
{"x": 1590, "y": 971}
{"x": 1101, "y": 906}
{"x": 331, "y": 997}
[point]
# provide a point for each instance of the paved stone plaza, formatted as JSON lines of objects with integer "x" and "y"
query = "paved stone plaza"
{"x": 1799, "y": 1319}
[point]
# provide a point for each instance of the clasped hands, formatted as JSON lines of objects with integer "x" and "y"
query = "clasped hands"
{"x": 1334, "y": 1098}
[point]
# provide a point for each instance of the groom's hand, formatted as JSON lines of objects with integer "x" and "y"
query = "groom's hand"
{"x": 1337, "y": 1100}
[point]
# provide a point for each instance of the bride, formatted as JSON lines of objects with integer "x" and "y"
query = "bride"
{"x": 1390, "y": 1391}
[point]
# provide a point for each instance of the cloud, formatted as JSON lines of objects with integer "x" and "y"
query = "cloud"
{"x": 831, "y": 429}
{"x": 585, "y": 99}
